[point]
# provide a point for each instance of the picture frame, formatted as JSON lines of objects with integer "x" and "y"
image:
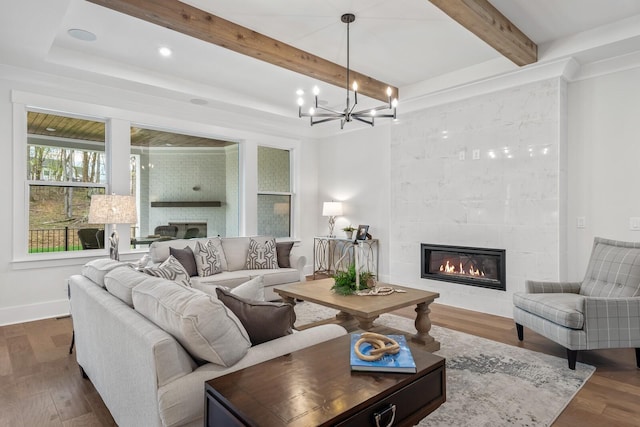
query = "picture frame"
{"x": 362, "y": 232}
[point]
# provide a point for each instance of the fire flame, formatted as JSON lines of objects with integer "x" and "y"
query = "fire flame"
{"x": 450, "y": 268}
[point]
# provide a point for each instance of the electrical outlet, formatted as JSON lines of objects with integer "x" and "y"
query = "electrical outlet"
{"x": 476, "y": 154}
{"x": 461, "y": 155}
{"x": 581, "y": 222}
{"x": 634, "y": 223}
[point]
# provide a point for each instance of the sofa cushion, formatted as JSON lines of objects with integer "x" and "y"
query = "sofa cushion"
{"x": 235, "y": 251}
{"x": 207, "y": 259}
{"x": 186, "y": 258}
{"x": 277, "y": 277}
{"x": 263, "y": 321}
{"x": 283, "y": 250}
{"x": 98, "y": 268}
{"x": 614, "y": 270}
{"x": 229, "y": 279}
{"x": 262, "y": 255}
{"x": 171, "y": 269}
{"x": 121, "y": 281}
{"x": 204, "y": 326}
{"x": 562, "y": 309}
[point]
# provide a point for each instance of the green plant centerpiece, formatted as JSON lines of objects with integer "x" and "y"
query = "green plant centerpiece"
{"x": 345, "y": 281}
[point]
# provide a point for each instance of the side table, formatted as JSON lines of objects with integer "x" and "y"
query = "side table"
{"x": 333, "y": 254}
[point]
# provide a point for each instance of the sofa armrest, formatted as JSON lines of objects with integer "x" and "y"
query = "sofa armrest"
{"x": 185, "y": 395}
{"x": 298, "y": 262}
{"x": 536, "y": 287}
{"x": 612, "y": 322}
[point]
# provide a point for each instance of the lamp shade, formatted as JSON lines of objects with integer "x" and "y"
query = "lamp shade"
{"x": 112, "y": 209}
{"x": 332, "y": 209}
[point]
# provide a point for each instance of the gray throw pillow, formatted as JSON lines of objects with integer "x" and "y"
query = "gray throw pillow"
{"x": 262, "y": 255}
{"x": 171, "y": 269}
{"x": 186, "y": 258}
{"x": 283, "y": 249}
{"x": 263, "y": 321}
{"x": 207, "y": 259}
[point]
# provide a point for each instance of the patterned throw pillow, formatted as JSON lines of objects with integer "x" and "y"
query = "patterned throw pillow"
{"x": 262, "y": 255}
{"x": 207, "y": 259}
{"x": 171, "y": 269}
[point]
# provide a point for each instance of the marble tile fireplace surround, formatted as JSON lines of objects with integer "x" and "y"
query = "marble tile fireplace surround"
{"x": 483, "y": 267}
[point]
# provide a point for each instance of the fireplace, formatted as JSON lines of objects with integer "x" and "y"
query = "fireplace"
{"x": 482, "y": 267}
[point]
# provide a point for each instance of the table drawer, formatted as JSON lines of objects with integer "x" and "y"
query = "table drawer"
{"x": 406, "y": 406}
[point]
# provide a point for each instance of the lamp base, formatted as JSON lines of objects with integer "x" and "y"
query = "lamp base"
{"x": 113, "y": 245}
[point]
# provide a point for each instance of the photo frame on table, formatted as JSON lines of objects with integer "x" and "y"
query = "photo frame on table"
{"x": 362, "y": 232}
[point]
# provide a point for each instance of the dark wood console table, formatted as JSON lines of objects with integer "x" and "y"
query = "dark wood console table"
{"x": 315, "y": 387}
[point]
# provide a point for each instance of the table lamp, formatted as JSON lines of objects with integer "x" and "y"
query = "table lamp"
{"x": 113, "y": 209}
{"x": 332, "y": 210}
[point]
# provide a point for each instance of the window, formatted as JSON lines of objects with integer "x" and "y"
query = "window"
{"x": 65, "y": 166}
{"x": 274, "y": 192}
{"x": 184, "y": 181}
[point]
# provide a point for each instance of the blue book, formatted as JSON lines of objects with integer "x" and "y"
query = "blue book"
{"x": 401, "y": 362}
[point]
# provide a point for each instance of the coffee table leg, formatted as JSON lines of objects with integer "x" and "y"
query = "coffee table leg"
{"x": 366, "y": 323}
{"x": 343, "y": 317}
{"x": 289, "y": 300}
{"x": 423, "y": 326}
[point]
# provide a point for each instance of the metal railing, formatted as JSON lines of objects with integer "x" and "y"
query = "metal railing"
{"x": 57, "y": 239}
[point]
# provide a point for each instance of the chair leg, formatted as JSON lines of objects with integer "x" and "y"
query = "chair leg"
{"x": 520, "y": 331}
{"x": 638, "y": 357}
{"x": 572, "y": 355}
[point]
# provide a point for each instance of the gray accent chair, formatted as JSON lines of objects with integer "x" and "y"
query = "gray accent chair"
{"x": 602, "y": 311}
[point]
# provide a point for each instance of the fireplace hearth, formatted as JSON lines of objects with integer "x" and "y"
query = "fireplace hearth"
{"x": 483, "y": 267}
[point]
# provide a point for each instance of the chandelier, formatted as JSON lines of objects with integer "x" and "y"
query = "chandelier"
{"x": 367, "y": 115}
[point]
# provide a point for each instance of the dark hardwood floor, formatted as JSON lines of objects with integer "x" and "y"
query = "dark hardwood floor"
{"x": 41, "y": 385}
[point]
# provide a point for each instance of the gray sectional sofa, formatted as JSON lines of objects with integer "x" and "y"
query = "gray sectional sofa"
{"x": 149, "y": 344}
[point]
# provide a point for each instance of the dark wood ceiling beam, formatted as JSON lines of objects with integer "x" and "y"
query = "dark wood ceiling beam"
{"x": 486, "y": 22}
{"x": 197, "y": 23}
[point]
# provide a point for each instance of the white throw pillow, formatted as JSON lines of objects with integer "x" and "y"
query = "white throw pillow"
{"x": 204, "y": 326}
{"x": 207, "y": 259}
{"x": 171, "y": 269}
{"x": 253, "y": 289}
{"x": 262, "y": 255}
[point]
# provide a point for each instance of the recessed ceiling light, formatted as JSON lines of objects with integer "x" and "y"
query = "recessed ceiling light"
{"x": 199, "y": 101}
{"x": 83, "y": 35}
{"x": 164, "y": 51}
{"x": 50, "y": 129}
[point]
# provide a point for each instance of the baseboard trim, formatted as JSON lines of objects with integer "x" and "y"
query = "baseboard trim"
{"x": 31, "y": 312}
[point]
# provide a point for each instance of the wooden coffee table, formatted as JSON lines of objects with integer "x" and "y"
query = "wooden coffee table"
{"x": 316, "y": 387}
{"x": 366, "y": 309}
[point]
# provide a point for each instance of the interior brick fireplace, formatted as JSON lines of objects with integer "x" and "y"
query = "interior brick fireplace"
{"x": 483, "y": 267}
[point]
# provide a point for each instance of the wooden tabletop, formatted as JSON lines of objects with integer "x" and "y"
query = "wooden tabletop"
{"x": 315, "y": 385}
{"x": 319, "y": 292}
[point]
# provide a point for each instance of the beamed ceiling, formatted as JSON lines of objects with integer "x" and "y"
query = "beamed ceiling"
{"x": 477, "y": 16}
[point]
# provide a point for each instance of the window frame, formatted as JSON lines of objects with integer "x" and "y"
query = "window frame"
{"x": 290, "y": 193}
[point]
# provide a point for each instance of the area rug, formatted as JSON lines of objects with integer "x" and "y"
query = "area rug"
{"x": 488, "y": 383}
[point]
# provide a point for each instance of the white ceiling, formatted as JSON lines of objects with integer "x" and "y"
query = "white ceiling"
{"x": 400, "y": 42}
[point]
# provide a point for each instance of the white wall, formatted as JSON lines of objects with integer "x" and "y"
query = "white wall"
{"x": 353, "y": 167}
{"x": 604, "y": 162}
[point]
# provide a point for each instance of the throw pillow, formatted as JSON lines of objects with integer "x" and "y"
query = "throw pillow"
{"x": 204, "y": 326}
{"x": 253, "y": 289}
{"x": 98, "y": 268}
{"x": 171, "y": 269}
{"x": 263, "y": 321}
{"x": 186, "y": 258}
{"x": 283, "y": 249}
{"x": 262, "y": 255}
{"x": 207, "y": 259}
